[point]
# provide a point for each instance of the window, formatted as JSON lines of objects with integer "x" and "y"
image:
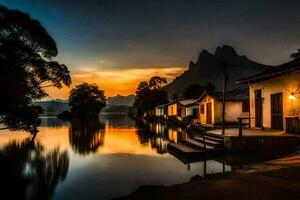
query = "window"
{"x": 195, "y": 113}
{"x": 246, "y": 106}
{"x": 202, "y": 108}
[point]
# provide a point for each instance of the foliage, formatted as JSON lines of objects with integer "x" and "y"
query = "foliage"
{"x": 150, "y": 94}
{"x": 29, "y": 171}
{"x": 86, "y": 136}
{"x": 175, "y": 97}
{"x": 86, "y": 100}
{"x": 156, "y": 82}
{"x": 194, "y": 91}
{"x": 27, "y": 66}
{"x": 22, "y": 118}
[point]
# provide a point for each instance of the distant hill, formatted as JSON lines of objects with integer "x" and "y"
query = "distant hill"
{"x": 120, "y": 100}
{"x": 208, "y": 68}
{"x": 118, "y": 104}
{"x": 53, "y": 106}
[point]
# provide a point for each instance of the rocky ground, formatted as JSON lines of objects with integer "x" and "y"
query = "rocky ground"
{"x": 275, "y": 179}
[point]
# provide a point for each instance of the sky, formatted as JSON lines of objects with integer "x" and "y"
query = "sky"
{"x": 118, "y": 43}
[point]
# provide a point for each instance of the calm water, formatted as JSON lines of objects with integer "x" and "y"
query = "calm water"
{"x": 101, "y": 159}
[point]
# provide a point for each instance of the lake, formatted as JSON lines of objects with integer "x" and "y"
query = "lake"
{"x": 99, "y": 159}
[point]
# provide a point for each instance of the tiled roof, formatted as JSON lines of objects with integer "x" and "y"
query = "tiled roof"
{"x": 233, "y": 95}
{"x": 272, "y": 72}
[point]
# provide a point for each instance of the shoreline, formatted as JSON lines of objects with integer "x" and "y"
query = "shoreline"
{"x": 274, "y": 179}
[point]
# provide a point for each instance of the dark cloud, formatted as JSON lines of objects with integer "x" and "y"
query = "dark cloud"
{"x": 166, "y": 33}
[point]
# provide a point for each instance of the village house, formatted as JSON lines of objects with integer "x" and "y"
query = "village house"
{"x": 210, "y": 107}
{"x": 160, "y": 110}
{"x": 275, "y": 97}
{"x": 183, "y": 108}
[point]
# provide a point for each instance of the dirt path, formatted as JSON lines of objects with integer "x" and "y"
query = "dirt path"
{"x": 276, "y": 179}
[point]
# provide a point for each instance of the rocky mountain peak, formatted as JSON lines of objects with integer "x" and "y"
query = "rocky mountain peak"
{"x": 204, "y": 55}
{"x": 208, "y": 68}
{"x": 225, "y": 52}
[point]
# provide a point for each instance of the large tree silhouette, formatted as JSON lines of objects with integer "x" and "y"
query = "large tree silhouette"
{"x": 194, "y": 91}
{"x": 86, "y": 100}
{"x": 150, "y": 94}
{"x": 27, "y": 67}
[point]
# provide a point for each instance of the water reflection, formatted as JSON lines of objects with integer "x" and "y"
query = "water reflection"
{"x": 86, "y": 136}
{"x": 98, "y": 159}
{"x": 159, "y": 135}
{"x": 28, "y": 171}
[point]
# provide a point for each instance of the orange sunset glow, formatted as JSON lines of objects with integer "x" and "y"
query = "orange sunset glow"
{"x": 123, "y": 82}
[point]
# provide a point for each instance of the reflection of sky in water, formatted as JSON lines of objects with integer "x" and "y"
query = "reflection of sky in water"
{"x": 126, "y": 158}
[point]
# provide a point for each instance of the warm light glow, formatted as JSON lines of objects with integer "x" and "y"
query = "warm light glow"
{"x": 113, "y": 82}
{"x": 292, "y": 96}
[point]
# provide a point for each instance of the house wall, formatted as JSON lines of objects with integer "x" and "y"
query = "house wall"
{"x": 183, "y": 110}
{"x": 284, "y": 84}
{"x": 159, "y": 111}
{"x": 172, "y": 109}
{"x": 202, "y": 116}
{"x": 189, "y": 110}
{"x": 233, "y": 110}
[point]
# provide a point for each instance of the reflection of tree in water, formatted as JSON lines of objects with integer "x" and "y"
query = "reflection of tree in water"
{"x": 28, "y": 171}
{"x": 86, "y": 136}
{"x": 142, "y": 132}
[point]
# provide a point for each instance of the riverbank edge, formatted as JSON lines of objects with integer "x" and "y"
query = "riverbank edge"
{"x": 216, "y": 186}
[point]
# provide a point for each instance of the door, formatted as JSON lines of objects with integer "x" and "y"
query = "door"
{"x": 276, "y": 111}
{"x": 208, "y": 113}
{"x": 258, "y": 108}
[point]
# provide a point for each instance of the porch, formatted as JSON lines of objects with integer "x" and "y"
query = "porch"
{"x": 258, "y": 140}
{"x": 250, "y": 132}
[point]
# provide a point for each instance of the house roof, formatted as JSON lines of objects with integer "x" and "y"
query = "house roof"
{"x": 186, "y": 102}
{"x": 233, "y": 95}
{"x": 272, "y": 72}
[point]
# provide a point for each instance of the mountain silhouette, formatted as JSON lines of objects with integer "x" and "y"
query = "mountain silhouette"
{"x": 208, "y": 68}
{"x": 120, "y": 100}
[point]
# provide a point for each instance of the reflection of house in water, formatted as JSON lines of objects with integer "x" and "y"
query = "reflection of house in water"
{"x": 161, "y": 135}
{"x": 176, "y": 135}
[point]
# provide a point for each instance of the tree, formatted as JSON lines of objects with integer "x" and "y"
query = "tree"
{"x": 150, "y": 94}
{"x": 194, "y": 91}
{"x": 296, "y": 55}
{"x": 175, "y": 97}
{"x": 86, "y": 100}
{"x": 47, "y": 167}
{"x": 156, "y": 82}
{"x": 27, "y": 66}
